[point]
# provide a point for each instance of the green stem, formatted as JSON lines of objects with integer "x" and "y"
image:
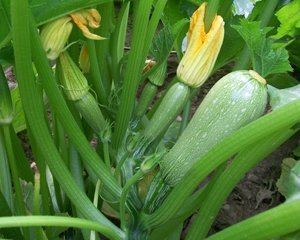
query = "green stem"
{"x": 40, "y": 162}
{"x": 273, "y": 223}
{"x": 133, "y": 72}
{"x": 106, "y": 154}
{"x": 185, "y": 117}
{"x": 59, "y": 106}
{"x": 210, "y": 13}
{"x": 36, "y": 194}
{"x": 246, "y": 159}
{"x": 15, "y": 176}
{"x": 95, "y": 72}
{"x": 282, "y": 118}
{"x": 34, "y": 113}
{"x": 54, "y": 221}
{"x": 106, "y": 11}
{"x": 95, "y": 201}
{"x": 5, "y": 179}
{"x": 39, "y": 233}
{"x": 118, "y": 41}
{"x": 120, "y": 164}
{"x": 136, "y": 177}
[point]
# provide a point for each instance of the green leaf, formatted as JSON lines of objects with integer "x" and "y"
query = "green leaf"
{"x": 289, "y": 18}
{"x": 282, "y": 80}
{"x": 266, "y": 59}
{"x": 163, "y": 44}
{"x": 294, "y": 51}
{"x": 283, "y": 181}
{"x": 232, "y": 45}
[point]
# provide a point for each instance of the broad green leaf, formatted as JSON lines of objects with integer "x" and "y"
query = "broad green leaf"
{"x": 294, "y": 51}
{"x": 283, "y": 182}
{"x": 232, "y": 44}
{"x": 282, "y": 97}
{"x": 43, "y": 11}
{"x": 282, "y": 80}
{"x": 177, "y": 10}
{"x": 266, "y": 59}
{"x": 163, "y": 44}
{"x": 289, "y": 18}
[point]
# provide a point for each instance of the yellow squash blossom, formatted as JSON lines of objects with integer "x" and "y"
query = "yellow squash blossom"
{"x": 55, "y": 34}
{"x": 86, "y": 18}
{"x": 202, "y": 49}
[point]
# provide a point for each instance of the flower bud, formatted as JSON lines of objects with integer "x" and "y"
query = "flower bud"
{"x": 74, "y": 83}
{"x": 84, "y": 60}
{"x": 54, "y": 36}
{"x": 202, "y": 49}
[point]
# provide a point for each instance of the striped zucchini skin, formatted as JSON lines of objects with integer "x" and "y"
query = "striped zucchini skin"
{"x": 235, "y": 100}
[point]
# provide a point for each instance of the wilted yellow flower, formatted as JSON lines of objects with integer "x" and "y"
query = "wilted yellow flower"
{"x": 54, "y": 36}
{"x": 84, "y": 59}
{"x": 202, "y": 49}
{"x": 148, "y": 65}
{"x": 84, "y": 18}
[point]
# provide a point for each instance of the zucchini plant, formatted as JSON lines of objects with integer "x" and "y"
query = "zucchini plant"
{"x": 108, "y": 156}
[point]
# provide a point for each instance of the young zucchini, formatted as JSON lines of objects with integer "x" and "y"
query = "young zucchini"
{"x": 235, "y": 100}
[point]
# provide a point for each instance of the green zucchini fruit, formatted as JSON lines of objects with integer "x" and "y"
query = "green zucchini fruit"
{"x": 170, "y": 107}
{"x": 235, "y": 100}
